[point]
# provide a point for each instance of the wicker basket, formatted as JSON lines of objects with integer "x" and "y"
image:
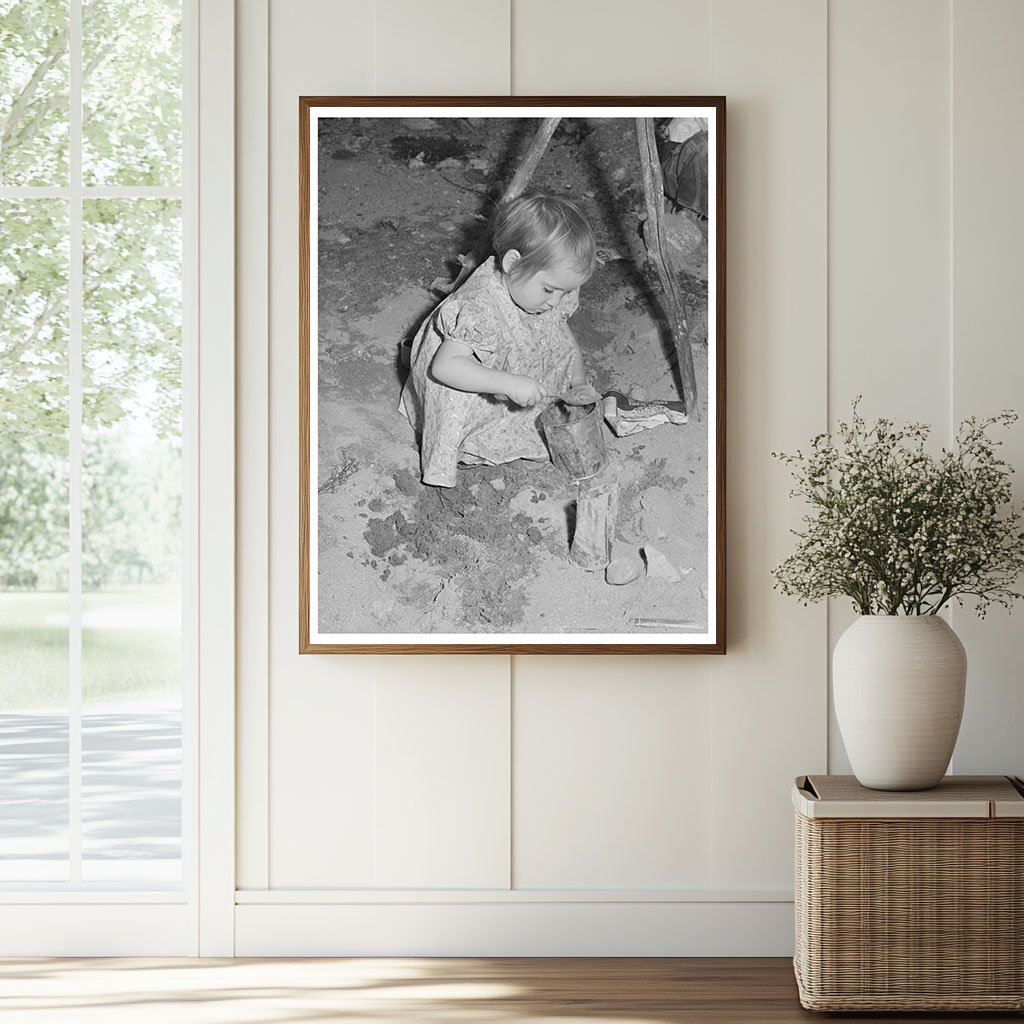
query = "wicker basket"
{"x": 910, "y": 901}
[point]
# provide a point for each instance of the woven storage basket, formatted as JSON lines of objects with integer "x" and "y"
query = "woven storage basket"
{"x": 910, "y": 901}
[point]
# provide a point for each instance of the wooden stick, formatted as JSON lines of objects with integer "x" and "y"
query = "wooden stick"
{"x": 654, "y": 192}
{"x": 519, "y": 182}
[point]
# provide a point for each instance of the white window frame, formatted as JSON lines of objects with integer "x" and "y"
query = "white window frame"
{"x": 216, "y": 391}
{"x": 50, "y": 919}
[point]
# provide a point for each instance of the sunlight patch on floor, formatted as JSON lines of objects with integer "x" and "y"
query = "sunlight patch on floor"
{"x": 276, "y": 991}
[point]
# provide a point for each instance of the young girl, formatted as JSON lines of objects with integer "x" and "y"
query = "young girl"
{"x": 499, "y": 347}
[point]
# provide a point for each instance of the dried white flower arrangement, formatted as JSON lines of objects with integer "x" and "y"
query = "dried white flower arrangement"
{"x": 899, "y": 530}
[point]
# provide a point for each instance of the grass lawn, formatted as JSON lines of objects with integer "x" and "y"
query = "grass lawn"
{"x": 130, "y": 647}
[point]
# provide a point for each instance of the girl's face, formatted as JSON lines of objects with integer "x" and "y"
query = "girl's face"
{"x": 542, "y": 290}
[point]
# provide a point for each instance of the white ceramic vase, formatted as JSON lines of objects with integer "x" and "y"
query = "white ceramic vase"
{"x": 898, "y": 684}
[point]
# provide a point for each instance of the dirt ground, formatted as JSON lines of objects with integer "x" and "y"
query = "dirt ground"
{"x": 398, "y": 201}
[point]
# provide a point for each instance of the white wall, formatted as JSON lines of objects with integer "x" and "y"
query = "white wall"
{"x": 616, "y": 805}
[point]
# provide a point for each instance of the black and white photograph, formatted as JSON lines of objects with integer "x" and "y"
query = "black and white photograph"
{"x": 512, "y": 375}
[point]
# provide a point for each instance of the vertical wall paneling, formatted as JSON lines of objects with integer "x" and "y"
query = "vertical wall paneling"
{"x": 442, "y": 775}
{"x": 321, "y": 709}
{"x": 442, "y": 759}
{"x": 575, "y": 48}
{"x": 769, "y": 693}
{"x": 611, "y": 777}
{"x": 323, "y": 761}
{"x": 611, "y": 781}
{"x": 442, "y": 48}
{"x": 987, "y": 372}
{"x": 324, "y": 726}
{"x": 889, "y": 209}
{"x": 442, "y": 771}
{"x": 889, "y": 245}
{"x": 252, "y": 187}
{"x": 441, "y": 801}
{"x": 666, "y": 777}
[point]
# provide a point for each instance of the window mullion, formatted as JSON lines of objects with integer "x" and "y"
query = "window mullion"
{"x": 75, "y": 303}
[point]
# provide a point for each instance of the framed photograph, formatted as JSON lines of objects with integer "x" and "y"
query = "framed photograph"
{"x": 512, "y": 375}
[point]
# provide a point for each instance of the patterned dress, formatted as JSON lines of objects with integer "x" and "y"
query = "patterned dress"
{"x": 462, "y": 426}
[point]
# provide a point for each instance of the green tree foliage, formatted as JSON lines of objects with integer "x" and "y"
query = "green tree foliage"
{"x": 131, "y": 92}
{"x": 132, "y": 313}
{"x": 131, "y": 509}
{"x": 131, "y": 277}
{"x": 33, "y": 515}
{"x": 33, "y": 92}
{"x": 34, "y": 321}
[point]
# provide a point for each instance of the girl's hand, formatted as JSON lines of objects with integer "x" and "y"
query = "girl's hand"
{"x": 524, "y": 391}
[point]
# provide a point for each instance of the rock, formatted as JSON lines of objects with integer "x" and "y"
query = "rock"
{"x": 620, "y": 571}
{"x": 417, "y": 160}
{"x": 685, "y": 230}
{"x": 450, "y": 161}
{"x": 658, "y": 566}
{"x": 687, "y": 241}
{"x": 479, "y": 163}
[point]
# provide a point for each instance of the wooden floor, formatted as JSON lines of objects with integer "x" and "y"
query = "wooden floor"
{"x": 414, "y": 991}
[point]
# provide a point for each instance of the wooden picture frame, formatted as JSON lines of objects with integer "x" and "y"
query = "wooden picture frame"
{"x": 396, "y": 200}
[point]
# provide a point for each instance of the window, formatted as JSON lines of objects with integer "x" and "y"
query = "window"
{"x": 95, "y": 454}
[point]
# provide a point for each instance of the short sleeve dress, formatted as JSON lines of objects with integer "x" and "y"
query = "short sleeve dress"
{"x": 462, "y": 426}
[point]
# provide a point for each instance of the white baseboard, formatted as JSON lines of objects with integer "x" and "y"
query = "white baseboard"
{"x": 514, "y": 928}
{"x": 99, "y": 928}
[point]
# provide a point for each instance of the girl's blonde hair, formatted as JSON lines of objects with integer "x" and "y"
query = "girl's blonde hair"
{"x": 546, "y": 230}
